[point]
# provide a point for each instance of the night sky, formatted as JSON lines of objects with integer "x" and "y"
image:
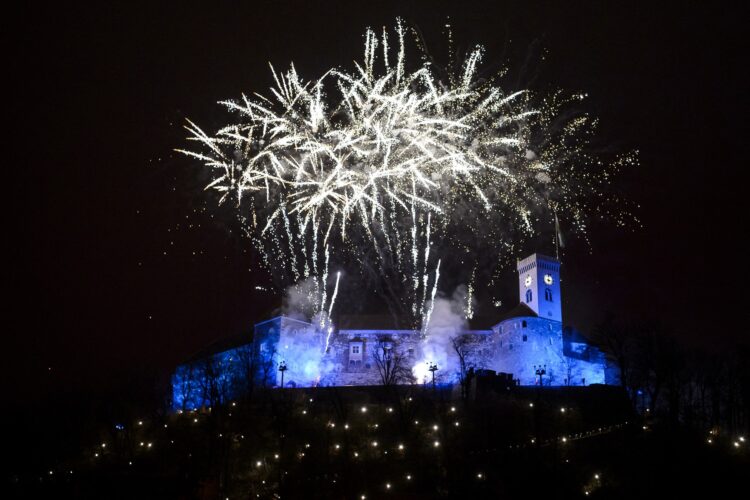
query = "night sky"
{"x": 119, "y": 261}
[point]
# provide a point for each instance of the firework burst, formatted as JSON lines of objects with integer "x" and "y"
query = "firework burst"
{"x": 392, "y": 168}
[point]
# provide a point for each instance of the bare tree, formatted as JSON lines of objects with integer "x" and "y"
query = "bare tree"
{"x": 248, "y": 368}
{"x": 569, "y": 365}
{"x": 461, "y": 346}
{"x": 185, "y": 384}
{"x": 391, "y": 365}
{"x": 619, "y": 342}
{"x": 267, "y": 365}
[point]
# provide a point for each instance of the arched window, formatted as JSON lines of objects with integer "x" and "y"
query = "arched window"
{"x": 548, "y": 295}
{"x": 523, "y": 325}
{"x": 528, "y": 296}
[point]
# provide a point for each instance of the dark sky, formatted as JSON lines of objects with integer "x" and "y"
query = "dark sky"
{"x": 96, "y": 197}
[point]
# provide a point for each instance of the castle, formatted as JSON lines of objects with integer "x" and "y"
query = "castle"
{"x": 529, "y": 343}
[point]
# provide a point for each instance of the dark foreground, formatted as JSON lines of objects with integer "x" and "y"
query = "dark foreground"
{"x": 407, "y": 442}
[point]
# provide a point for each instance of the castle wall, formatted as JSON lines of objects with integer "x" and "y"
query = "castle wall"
{"x": 513, "y": 346}
{"x": 525, "y": 342}
{"x": 319, "y": 355}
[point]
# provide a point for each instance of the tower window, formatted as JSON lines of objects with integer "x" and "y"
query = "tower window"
{"x": 548, "y": 295}
{"x": 523, "y": 324}
{"x": 528, "y": 296}
{"x": 525, "y": 338}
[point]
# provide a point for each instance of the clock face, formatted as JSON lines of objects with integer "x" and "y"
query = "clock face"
{"x": 548, "y": 279}
{"x": 528, "y": 281}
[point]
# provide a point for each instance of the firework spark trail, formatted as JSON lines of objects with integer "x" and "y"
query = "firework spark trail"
{"x": 335, "y": 293}
{"x": 369, "y": 155}
{"x": 430, "y": 307}
{"x": 330, "y": 312}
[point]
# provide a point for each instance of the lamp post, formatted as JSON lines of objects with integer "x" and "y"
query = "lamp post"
{"x": 433, "y": 368}
{"x": 282, "y": 369}
{"x": 540, "y": 370}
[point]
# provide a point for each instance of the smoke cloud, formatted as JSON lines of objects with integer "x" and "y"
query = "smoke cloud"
{"x": 448, "y": 319}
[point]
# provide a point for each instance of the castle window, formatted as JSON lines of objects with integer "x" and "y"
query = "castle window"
{"x": 528, "y": 296}
{"x": 525, "y": 338}
{"x": 355, "y": 351}
{"x": 523, "y": 324}
{"x": 548, "y": 295}
{"x": 411, "y": 353}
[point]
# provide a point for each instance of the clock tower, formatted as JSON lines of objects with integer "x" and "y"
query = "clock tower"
{"x": 539, "y": 286}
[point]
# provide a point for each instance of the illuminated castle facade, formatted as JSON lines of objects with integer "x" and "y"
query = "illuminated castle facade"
{"x": 526, "y": 340}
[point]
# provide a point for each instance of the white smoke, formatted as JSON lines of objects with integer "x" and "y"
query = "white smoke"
{"x": 448, "y": 320}
{"x": 300, "y": 299}
{"x": 304, "y": 349}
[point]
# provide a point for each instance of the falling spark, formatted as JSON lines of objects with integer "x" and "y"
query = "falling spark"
{"x": 367, "y": 162}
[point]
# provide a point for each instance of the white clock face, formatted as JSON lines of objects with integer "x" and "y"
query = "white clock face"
{"x": 548, "y": 279}
{"x": 528, "y": 281}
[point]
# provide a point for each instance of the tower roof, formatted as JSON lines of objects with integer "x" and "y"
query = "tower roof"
{"x": 520, "y": 311}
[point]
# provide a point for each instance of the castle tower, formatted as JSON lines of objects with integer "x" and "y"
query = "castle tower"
{"x": 539, "y": 285}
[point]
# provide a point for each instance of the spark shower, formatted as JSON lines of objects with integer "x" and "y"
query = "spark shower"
{"x": 398, "y": 170}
